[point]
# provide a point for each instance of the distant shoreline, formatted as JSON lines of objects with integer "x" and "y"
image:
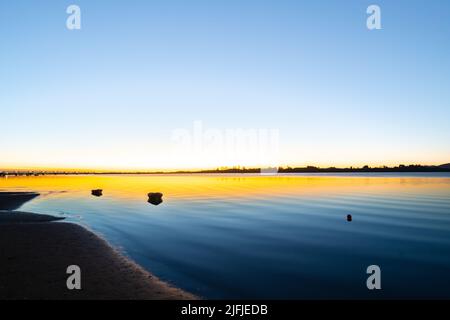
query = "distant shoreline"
{"x": 309, "y": 169}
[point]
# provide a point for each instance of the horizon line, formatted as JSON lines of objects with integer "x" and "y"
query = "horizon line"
{"x": 225, "y": 169}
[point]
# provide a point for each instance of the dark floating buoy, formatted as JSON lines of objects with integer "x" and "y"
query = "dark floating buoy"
{"x": 155, "y": 198}
{"x": 349, "y": 217}
{"x": 97, "y": 192}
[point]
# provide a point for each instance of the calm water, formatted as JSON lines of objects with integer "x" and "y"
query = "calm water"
{"x": 246, "y": 236}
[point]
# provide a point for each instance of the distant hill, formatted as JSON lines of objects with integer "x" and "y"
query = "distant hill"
{"x": 445, "y": 166}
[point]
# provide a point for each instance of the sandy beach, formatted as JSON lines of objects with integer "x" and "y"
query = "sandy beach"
{"x": 35, "y": 252}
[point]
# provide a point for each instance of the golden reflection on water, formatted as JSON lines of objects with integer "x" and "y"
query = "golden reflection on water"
{"x": 225, "y": 186}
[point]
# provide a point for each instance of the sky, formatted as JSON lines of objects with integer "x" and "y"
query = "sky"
{"x": 165, "y": 84}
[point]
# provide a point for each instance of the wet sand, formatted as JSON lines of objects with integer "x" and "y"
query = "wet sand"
{"x": 35, "y": 252}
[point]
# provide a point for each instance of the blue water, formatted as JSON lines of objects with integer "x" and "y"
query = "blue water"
{"x": 228, "y": 237}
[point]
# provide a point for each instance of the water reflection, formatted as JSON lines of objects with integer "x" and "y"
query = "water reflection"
{"x": 268, "y": 237}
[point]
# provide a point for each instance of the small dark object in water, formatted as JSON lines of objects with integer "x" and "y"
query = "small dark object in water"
{"x": 349, "y": 217}
{"x": 155, "y": 198}
{"x": 97, "y": 192}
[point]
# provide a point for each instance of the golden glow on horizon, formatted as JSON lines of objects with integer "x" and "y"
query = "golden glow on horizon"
{"x": 163, "y": 159}
{"x": 124, "y": 169}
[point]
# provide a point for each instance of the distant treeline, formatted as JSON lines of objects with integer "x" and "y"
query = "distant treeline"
{"x": 312, "y": 169}
{"x": 400, "y": 168}
{"x": 308, "y": 169}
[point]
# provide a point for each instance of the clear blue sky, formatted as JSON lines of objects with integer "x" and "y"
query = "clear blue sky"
{"x": 111, "y": 94}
